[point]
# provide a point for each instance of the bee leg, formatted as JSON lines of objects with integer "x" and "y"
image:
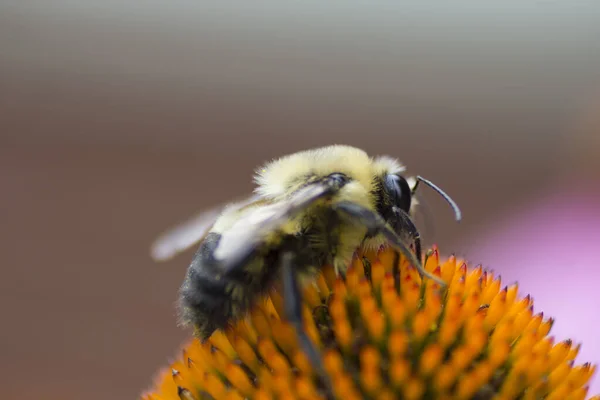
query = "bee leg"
{"x": 292, "y": 299}
{"x": 405, "y": 223}
{"x": 375, "y": 224}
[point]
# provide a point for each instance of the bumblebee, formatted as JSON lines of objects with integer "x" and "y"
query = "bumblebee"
{"x": 309, "y": 209}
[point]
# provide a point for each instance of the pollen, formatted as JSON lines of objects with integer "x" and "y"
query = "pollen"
{"x": 385, "y": 333}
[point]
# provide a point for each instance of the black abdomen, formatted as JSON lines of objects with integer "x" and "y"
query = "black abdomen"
{"x": 210, "y": 299}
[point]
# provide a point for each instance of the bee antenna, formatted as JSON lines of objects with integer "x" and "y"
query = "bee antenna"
{"x": 445, "y": 196}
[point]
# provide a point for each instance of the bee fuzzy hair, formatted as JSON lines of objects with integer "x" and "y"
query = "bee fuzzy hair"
{"x": 275, "y": 178}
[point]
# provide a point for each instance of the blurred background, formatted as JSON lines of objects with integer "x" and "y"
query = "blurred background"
{"x": 121, "y": 118}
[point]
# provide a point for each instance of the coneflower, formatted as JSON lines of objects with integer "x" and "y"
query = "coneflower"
{"x": 386, "y": 334}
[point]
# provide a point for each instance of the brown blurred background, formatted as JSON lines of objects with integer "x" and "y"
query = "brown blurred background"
{"x": 120, "y": 118}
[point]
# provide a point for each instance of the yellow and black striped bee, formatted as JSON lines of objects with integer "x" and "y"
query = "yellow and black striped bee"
{"x": 309, "y": 209}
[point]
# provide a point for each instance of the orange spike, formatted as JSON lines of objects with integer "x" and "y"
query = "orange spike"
{"x": 511, "y": 293}
{"x": 322, "y": 286}
{"x": 467, "y": 386}
{"x": 543, "y": 346}
{"x": 277, "y": 300}
{"x": 368, "y": 307}
{"x": 233, "y": 395}
{"x": 503, "y": 333}
{"x": 453, "y": 306}
{"x": 329, "y": 274}
{"x": 219, "y": 359}
{"x": 364, "y": 288}
{"x": 343, "y": 334}
{"x": 220, "y": 341}
{"x": 377, "y": 274}
{"x": 397, "y": 313}
{"x": 214, "y": 386}
{"x": 410, "y": 273}
{"x": 448, "y": 269}
{"x": 305, "y": 388}
{"x": 397, "y": 343}
{"x": 461, "y": 357}
{"x": 284, "y": 335}
{"x": 386, "y": 394}
{"x": 399, "y": 371}
{"x": 352, "y": 280}
{"x": 262, "y": 394}
{"x": 433, "y": 303}
{"x": 376, "y": 326}
{"x": 371, "y": 380}
{"x": 483, "y": 372}
{"x": 521, "y": 321}
{"x": 269, "y": 307}
{"x": 580, "y": 375}
{"x": 573, "y": 352}
{"x": 430, "y": 359}
{"x": 410, "y": 295}
{"x": 462, "y": 271}
{"x": 536, "y": 368}
{"x": 457, "y": 287}
{"x": 496, "y": 310}
{"x": 432, "y": 260}
{"x": 421, "y": 325}
{"x": 559, "y": 353}
{"x": 238, "y": 378}
{"x": 260, "y": 322}
{"x": 559, "y": 374}
{"x": 535, "y": 322}
{"x": 370, "y": 358}
{"x": 333, "y": 363}
{"x": 447, "y": 332}
{"x": 525, "y": 344}
{"x": 301, "y": 362}
{"x": 185, "y": 394}
{"x": 358, "y": 267}
{"x": 340, "y": 290}
{"x": 490, "y": 291}
{"x": 344, "y": 388}
{"x": 311, "y": 295}
{"x": 499, "y": 354}
{"x": 387, "y": 259}
{"x": 244, "y": 351}
{"x": 413, "y": 389}
{"x": 388, "y": 293}
{"x": 311, "y": 327}
{"x": 477, "y": 341}
{"x": 560, "y": 393}
{"x": 579, "y": 394}
{"x": 545, "y": 326}
{"x": 337, "y": 309}
{"x": 472, "y": 279}
{"x": 518, "y": 306}
{"x": 470, "y": 306}
{"x": 445, "y": 376}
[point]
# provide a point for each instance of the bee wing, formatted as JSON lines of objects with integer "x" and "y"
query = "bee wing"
{"x": 255, "y": 224}
{"x": 183, "y": 236}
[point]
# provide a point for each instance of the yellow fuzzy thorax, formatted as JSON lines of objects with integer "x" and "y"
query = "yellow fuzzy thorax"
{"x": 384, "y": 334}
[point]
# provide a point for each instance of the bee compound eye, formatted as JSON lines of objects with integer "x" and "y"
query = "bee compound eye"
{"x": 338, "y": 178}
{"x": 398, "y": 190}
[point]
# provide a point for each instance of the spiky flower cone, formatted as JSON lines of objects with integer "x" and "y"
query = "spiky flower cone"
{"x": 386, "y": 334}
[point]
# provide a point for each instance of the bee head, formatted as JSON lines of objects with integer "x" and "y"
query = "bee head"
{"x": 394, "y": 197}
{"x": 393, "y": 193}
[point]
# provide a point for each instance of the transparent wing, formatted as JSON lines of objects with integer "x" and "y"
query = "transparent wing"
{"x": 256, "y": 223}
{"x": 186, "y": 234}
